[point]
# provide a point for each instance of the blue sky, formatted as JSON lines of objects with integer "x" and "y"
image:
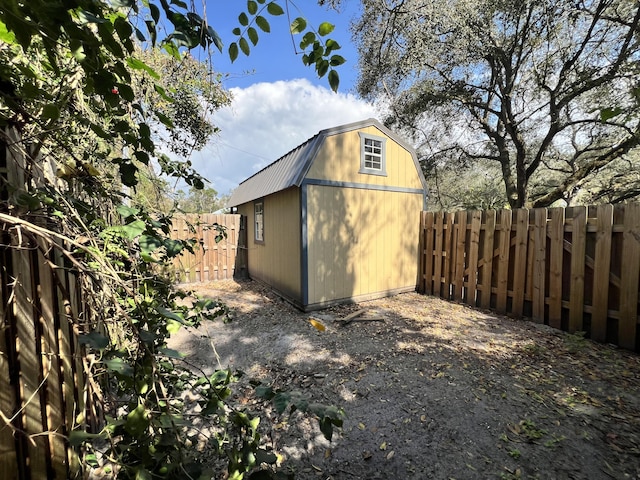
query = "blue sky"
{"x": 274, "y": 57}
{"x": 282, "y": 103}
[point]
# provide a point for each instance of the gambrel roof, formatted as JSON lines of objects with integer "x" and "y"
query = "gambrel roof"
{"x": 291, "y": 169}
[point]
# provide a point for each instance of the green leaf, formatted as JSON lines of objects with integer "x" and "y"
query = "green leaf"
{"x": 244, "y": 46}
{"x": 137, "y": 421}
{"x": 336, "y": 60}
{"x": 5, "y": 35}
{"x": 134, "y": 229}
{"x": 274, "y": 9}
{"x": 253, "y": 35}
{"x": 51, "y": 111}
{"x": 143, "y": 474}
{"x": 124, "y": 28}
{"x": 608, "y": 113}
{"x": 95, "y": 340}
{"x": 263, "y": 24}
{"x": 298, "y": 25}
{"x": 171, "y": 353}
{"x": 215, "y": 38}
{"x": 331, "y": 45}
{"x": 325, "y": 28}
{"x": 243, "y": 19}
{"x": 136, "y": 64}
{"x": 322, "y": 67}
{"x": 334, "y": 80}
{"x": 126, "y": 92}
{"x": 307, "y": 40}
{"x": 127, "y": 211}
{"x": 128, "y": 173}
{"x": 149, "y": 243}
{"x": 78, "y": 437}
{"x": 252, "y": 7}
{"x": 118, "y": 365}
{"x": 173, "y": 247}
{"x": 155, "y": 12}
{"x": 173, "y": 326}
{"x": 233, "y": 51}
{"x": 237, "y": 31}
{"x": 142, "y": 157}
{"x": 87, "y": 17}
{"x": 170, "y": 315}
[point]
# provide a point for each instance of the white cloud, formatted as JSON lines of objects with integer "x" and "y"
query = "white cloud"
{"x": 265, "y": 121}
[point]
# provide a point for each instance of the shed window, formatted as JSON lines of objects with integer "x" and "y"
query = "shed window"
{"x": 259, "y": 221}
{"x": 372, "y": 155}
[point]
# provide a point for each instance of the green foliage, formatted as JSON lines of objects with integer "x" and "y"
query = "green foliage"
{"x": 317, "y": 52}
{"x": 87, "y": 109}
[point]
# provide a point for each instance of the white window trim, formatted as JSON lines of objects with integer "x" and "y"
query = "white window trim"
{"x": 258, "y": 234}
{"x": 382, "y": 171}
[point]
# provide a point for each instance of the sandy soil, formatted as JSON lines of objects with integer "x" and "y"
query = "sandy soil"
{"x": 435, "y": 390}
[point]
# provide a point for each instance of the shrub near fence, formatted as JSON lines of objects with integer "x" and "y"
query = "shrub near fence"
{"x": 212, "y": 260}
{"x": 576, "y": 269}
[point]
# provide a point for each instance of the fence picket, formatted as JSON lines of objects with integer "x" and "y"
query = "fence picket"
{"x": 437, "y": 264}
{"x": 556, "y": 255}
{"x": 601, "y": 268}
{"x": 460, "y": 239}
{"x": 471, "y": 268}
{"x": 428, "y": 264}
{"x": 423, "y": 253}
{"x": 449, "y": 243}
{"x": 504, "y": 260}
{"x": 578, "y": 253}
{"x": 628, "y": 323}
{"x": 539, "y": 263}
{"x": 520, "y": 261}
{"x": 486, "y": 279}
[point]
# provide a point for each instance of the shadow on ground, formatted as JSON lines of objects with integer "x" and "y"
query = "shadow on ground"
{"x": 435, "y": 390}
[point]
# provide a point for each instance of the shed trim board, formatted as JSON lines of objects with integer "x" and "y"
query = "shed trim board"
{"x": 365, "y": 186}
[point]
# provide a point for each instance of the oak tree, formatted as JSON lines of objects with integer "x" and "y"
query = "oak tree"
{"x": 545, "y": 90}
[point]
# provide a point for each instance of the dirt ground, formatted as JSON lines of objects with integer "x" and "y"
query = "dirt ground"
{"x": 433, "y": 390}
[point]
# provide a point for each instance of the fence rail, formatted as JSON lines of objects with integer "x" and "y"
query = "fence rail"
{"x": 576, "y": 269}
{"x": 215, "y": 258}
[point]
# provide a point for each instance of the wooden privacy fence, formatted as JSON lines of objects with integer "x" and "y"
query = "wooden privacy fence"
{"x": 576, "y": 269}
{"x": 215, "y": 257}
{"x": 44, "y": 392}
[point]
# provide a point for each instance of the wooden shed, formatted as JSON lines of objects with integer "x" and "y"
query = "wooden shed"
{"x": 336, "y": 219}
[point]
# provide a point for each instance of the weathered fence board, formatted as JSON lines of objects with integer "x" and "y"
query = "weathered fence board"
{"x": 577, "y": 269}
{"x": 214, "y": 257}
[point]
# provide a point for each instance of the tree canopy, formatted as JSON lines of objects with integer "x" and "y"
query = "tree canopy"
{"x": 546, "y": 91}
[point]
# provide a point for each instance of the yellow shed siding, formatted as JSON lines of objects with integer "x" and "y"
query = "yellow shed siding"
{"x": 339, "y": 160}
{"x": 276, "y": 261}
{"x": 360, "y": 243}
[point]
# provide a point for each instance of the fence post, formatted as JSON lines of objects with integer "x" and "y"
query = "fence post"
{"x": 556, "y": 255}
